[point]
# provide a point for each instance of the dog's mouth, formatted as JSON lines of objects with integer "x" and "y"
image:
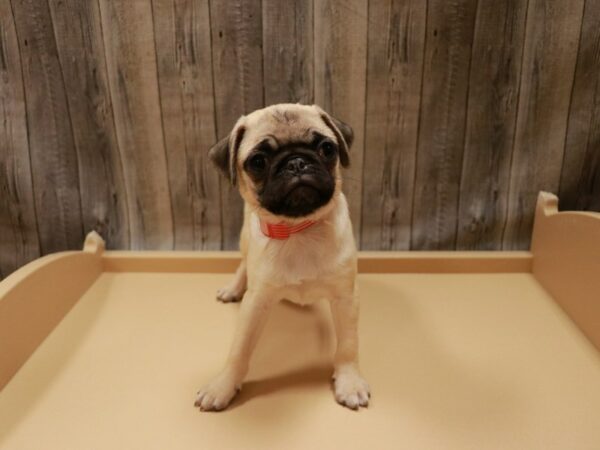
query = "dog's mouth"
{"x": 304, "y": 181}
{"x": 303, "y": 194}
{"x": 300, "y": 196}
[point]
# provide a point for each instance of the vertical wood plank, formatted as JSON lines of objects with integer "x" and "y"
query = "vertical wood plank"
{"x": 394, "y": 77}
{"x": 18, "y": 225}
{"x": 182, "y": 39}
{"x": 132, "y": 74}
{"x": 53, "y": 155}
{"x": 288, "y": 51}
{"x": 580, "y": 179}
{"x": 340, "y": 39}
{"x": 552, "y": 35}
{"x": 442, "y": 125}
{"x": 238, "y": 74}
{"x": 491, "y": 118}
{"x": 78, "y": 35}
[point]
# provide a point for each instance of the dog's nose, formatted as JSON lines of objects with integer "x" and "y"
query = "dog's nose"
{"x": 295, "y": 165}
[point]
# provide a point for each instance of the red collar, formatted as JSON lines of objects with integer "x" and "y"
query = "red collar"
{"x": 282, "y": 230}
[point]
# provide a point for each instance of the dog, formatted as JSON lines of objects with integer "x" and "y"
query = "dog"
{"x": 296, "y": 240}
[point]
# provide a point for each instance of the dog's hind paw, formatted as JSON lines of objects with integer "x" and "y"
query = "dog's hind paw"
{"x": 229, "y": 295}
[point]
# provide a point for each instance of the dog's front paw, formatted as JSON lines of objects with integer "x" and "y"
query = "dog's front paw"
{"x": 229, "y": 294}
{"x": 217, "y": 395}
{"x": 351, "y": 390}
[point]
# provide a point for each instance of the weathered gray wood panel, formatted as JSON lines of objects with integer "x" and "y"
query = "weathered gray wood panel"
{"x": 52, "y": 150}
{"x": 340, "y": 36}
{"x": 132, "y": 74}
{"x": 551, "y": 40}
{"x": 491, "y": 118}
{"x": 238, "y": 72}
{"x": 394, "y": 79}
{"x": 182, "y": 37}
{"x": 580, "y": 179}
{"x": 462, "y": 109}
{"x": 18, "y": 224}
{"x": 442, "y": 127}
{"x": 78, "y": 34}
{"x": 288, "y": 51}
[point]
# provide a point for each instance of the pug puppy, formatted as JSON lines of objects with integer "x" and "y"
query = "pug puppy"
{"x": 296, "y": 241}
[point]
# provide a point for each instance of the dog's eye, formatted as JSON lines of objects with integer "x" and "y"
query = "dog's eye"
{"x": 257, "y": 163}
{"x": 327, "y": 149}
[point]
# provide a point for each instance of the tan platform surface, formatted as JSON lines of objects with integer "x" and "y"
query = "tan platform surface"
{"x": 465, "y": 361}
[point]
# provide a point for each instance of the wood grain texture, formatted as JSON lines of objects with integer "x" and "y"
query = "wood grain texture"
{"x": 18, "y": 224}
{"x": 78, "y": 33}
{"x": 442, "y": 127}
{"x": 340, "y": 39}
{"x": 236, "y": 27}
{"x": 132, "y": 74}
{"x": 288, "y": 51}
{"x": 551, "y": 40}
{"x": 580, "y": 178}
{"x": 491, "y": 118}
{"x": 182, "y": 39}
{"x": 52, "y": 150}
{"x": 394, "y": 80}
{"x": 462, "y": 111}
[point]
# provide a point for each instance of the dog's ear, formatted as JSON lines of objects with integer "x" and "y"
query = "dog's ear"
{"x": 224, "y": 153}
{"x": 343, "y": 133}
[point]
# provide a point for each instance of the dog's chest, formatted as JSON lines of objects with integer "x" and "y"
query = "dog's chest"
{"x": 306, "y": 266}
{"x": 301, "y": 260}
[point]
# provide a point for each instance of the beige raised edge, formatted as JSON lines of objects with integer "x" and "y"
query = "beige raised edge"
{"x": 566, "y": 261}
{"x": 368, "y": 262}
{"x": 35, "y": 298}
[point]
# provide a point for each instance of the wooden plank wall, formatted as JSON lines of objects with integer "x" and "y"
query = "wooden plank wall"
{"x": 462, "y": 111}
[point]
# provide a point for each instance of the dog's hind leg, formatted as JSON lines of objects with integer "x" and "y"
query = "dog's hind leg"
{"x": 236, "y": 288}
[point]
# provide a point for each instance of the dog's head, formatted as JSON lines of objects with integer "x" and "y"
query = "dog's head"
{"x": 286, "y": 159}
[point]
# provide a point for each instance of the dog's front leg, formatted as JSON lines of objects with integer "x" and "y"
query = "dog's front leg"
{"x": 350, "y": 388}
{"x": 252, "y": 317}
